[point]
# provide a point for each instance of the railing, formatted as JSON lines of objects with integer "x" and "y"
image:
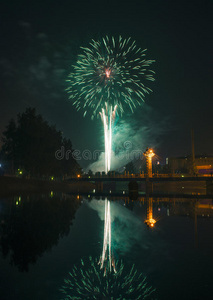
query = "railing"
{"x": 141, "y": 175}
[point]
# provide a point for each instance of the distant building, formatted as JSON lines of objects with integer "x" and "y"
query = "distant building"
{"x": 203, "y": 164}
{"x": 202, "y": 208}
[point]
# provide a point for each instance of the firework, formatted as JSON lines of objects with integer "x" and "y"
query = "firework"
{"x": 108, "y": 117}
{"x": 107, "y": 77}
{"x": 88, "y": 281}
{"x": 110, "y": 71}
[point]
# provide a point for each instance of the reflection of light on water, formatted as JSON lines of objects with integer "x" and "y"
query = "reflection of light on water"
{"x": 88, "y": 281}
{"x": 18, "y": 200}
{"x": 112, "y": 280}
{"x": 150, "y": 221}
{"x": 168, "y": 211}
{"x": 107, "y": 239}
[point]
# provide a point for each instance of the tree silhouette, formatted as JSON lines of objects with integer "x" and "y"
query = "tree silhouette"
{"x": 130, "y": 167}
{"x": 31, "y": 145}
{"x": 34, "y": 227}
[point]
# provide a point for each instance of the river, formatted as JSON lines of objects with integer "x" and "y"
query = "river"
{"x": 45, "y": 236}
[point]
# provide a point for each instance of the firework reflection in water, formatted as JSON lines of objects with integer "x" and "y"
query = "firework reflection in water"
{"x": 104, "y": 278}
{"x": 88, "y": 281}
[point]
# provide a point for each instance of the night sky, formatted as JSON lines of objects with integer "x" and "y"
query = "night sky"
{"x": 40, "y": 41}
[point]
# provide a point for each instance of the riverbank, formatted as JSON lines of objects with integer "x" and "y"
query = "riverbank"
{"x": 13, "y": 185}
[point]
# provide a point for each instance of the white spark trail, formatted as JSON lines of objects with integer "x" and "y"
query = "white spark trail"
{"x": 108, "y": 116}
{"x": 107, "y": 255}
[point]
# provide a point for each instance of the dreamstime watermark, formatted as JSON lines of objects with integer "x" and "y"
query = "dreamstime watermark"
{"x": 126, "y": 153}
{"x": 77, "y": 154}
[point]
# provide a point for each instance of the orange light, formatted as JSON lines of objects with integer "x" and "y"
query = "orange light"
{"x": 78, "y": 176}
{"x": 150, "y": 222}
{"x": 204, "y": 167}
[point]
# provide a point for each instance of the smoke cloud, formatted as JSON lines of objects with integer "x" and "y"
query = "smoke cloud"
{"x": 131, "y": 136}
{"x": 127, "y": 229}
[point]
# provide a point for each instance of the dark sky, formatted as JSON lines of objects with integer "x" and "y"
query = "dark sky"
{"x": 40, "y": 41}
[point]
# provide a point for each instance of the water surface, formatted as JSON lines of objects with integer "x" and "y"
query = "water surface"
{"x": 42, "y": 237}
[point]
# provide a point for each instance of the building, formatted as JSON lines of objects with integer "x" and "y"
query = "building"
{"x": 202, "y": 164}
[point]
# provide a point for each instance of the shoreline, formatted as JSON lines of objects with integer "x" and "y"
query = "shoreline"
{"x": 13, "y": 185}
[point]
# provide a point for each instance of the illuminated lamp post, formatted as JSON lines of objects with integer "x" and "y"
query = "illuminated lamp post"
{"x": 149, "y": 155}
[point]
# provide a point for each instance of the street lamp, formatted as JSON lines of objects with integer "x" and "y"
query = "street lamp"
{"x": 149, "y": 155}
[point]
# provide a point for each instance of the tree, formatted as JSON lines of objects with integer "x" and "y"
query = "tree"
{"x": 9, "y": 140}
{"x": 130, "y": 167}
{"x": 90, "y": 173}
{"x": 31, "y": 145}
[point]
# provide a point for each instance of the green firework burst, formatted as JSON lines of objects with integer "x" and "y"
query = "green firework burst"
{"x": 88, "y": 281}
{"x": 111, "y": 71}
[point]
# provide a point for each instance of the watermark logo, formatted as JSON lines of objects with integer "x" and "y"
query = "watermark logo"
{"x": 127, "y": 152}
